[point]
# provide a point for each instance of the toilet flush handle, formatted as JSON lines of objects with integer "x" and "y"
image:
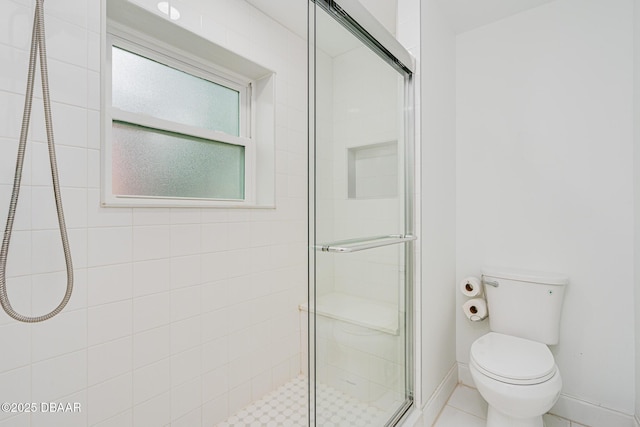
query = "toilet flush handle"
{"x": 491, "y": 283}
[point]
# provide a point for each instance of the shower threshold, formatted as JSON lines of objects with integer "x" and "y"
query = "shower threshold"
{"x": 288, "y": 406}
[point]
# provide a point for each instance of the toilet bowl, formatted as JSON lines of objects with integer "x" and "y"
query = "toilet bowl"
{"x": 517, "y": 377}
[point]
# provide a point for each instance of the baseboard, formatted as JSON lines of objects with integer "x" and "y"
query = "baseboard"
{"x": 440, "y": 396}
{"x": 572, "y": 408}
{"x": 464, "y": 375}
{"x": 587, "y": 413}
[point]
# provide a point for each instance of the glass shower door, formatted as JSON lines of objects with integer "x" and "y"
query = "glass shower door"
{"x": 360, "y": 231}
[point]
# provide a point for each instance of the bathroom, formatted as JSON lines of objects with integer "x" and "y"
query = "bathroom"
{"x": 526, "y": 128}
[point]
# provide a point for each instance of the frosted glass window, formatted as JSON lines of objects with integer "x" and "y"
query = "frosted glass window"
{"x": 141, "y": 85}
{"x": 153, "y": 163}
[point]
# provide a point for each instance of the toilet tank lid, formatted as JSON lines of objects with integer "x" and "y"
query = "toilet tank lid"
{"x": 526, "y": 275}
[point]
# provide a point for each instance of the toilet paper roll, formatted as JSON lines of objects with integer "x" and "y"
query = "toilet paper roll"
{"x": 471, "y": 287}
{"x": 475, "y": 309}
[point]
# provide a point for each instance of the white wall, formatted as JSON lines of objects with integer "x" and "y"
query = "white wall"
{"x": 636, "y": 87}
{"x": 545, "y": 177}
{"x": 438, "y": 193}
{"x": 178, "y": 315}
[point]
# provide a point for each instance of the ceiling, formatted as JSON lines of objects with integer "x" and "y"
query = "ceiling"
{"x": 288, "y": 12}
{"x": 465, "y": 15}
{"x": 291, "y": 14}
{"x": 332, "y": 38}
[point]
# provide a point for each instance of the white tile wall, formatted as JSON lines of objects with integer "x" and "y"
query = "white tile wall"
{"x": 178, "y": 316}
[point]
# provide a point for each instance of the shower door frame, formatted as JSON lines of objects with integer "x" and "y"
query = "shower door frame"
{"x": 357, "y": 20}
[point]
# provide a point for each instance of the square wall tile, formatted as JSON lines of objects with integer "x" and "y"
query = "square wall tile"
{"x": 151, "y": 311}
{"x": 60, "y": 376}
{"x": 185, "y": 271}
{"x": 215, "y": 237}
{"x": 153, "y": 412}
{"x": 151, "y": 277}
{"x": 215, "y": 410}
{"x": 17, "y": 354}
{"x": 185, "y": 334}
{"x": 151, "y": 242}
{"x": 156, "y": 216}
{"x": 110, "y": 398}
{"x": 151, "y": 346}
{"x": 185, "y": 398}
{"x": 109, "y": 322}
{"x": 239, "y": 397}
{"x": 215, "y": 384}
{"x": 215, "y": 324}
{"x": 70, "y": 122}
{"x": 109, "y": 360}
{"x": 48, "y": 340}
{"x": 215, "y": 354}
{"x": 72, "y": 166}
{"x": 110, "y": 245}
{"x": 185, "y": 216}
{"x": 151, "y": 381}
{"x": 185, "y": 303}
{"x": 215, "y": 295}
{"x": 46, "y": 254}
{"x": 109, "y": 284}
{"x": 186, "y": 239}
{"x": 68, "y": 83}
{"x": 186, "y": 366}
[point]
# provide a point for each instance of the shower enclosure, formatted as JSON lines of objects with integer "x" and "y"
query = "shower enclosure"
{"x": 360, "y": 219}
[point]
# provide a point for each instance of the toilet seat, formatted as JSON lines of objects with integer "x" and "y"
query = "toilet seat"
{"x": 512, "y": 360}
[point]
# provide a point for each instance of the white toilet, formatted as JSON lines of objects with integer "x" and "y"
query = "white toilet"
{"x": 512, "y": 366}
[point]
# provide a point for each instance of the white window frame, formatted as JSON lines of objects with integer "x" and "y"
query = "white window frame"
{"x": 139, "y": 44}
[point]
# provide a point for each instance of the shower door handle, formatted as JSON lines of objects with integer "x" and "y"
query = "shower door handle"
{"x": 355, "y": 245}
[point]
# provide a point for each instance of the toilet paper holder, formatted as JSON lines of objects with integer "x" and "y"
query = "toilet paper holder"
{"x": 493, "y": 283}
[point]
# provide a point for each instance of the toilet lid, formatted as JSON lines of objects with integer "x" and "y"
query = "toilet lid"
{"x": 512, "y": 360}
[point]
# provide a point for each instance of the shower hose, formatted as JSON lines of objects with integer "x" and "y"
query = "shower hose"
{"x": 37, "y": 46}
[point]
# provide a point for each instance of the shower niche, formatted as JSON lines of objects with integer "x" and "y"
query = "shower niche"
{"x": 373, "y": 171}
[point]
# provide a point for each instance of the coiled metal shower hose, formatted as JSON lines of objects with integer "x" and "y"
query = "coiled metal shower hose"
{"x": 37, "y": 44}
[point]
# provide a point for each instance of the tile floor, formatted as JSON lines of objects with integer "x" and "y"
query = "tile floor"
{"x": 466, "y": 408}
{"x": 287, "y": 406}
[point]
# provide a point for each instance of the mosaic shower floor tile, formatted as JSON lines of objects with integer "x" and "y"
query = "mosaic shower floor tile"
{"x": 287, "y": 406}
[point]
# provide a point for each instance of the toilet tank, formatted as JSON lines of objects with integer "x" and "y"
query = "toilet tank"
{"x": 525, "y": 304}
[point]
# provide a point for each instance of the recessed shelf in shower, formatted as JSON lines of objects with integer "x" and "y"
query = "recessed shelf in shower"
{"x": 373, "y": 171}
